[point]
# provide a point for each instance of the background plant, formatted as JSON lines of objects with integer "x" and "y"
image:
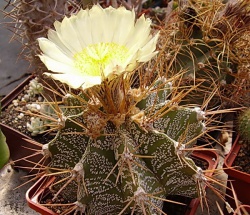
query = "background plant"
{"x": 4, "y": 149}
{"x": 207, "y": 41}
{"x": 244, "y": 124}
{"x": 31, "y": 20}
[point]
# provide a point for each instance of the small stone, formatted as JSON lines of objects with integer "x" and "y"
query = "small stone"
{"x": 38, "y": 107}
{"x": 26, "y": 97}
{"x": 20, "y": 116}
{"x": 15, "y": 102}
{"x": 40, "y": 99}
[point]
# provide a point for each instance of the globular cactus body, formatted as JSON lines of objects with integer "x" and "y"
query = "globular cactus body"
{"x": 131, "y": 164}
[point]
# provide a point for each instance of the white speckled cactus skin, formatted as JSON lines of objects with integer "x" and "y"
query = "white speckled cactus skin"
{"x": 125, "y": 162}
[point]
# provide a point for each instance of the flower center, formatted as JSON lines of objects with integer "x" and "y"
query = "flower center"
{"x": 93, "y": 59}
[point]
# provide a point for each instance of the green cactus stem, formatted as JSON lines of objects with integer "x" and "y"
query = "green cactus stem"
{"x": 128, "y": 163}
{"x": 4, "y": 149}
{"x": 244, "y": 124}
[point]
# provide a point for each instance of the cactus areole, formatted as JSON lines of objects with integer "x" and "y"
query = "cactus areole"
{"x": 118, "y": 149}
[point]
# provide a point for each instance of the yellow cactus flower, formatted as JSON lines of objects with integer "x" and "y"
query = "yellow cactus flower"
{"x": 95, "y": 44}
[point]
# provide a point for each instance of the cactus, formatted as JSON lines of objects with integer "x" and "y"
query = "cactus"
{"x": 36, "y": 126}
{"x": 126, "y": 162}
{"x": 4, "y": 149}
{"x": 244, "y": 124}
{"x": 204, "y": 39}
{"x": 35, "y": 87}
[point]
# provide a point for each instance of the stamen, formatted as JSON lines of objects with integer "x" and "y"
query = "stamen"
{"x": 93, "y": 59}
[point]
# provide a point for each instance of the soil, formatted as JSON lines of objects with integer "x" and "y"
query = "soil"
{"x": 47, "y": 199}
{"x": 11, "y": 116}
{"x": 242, "y": 161}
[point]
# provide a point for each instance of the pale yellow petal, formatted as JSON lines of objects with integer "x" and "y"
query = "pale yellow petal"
{"x": 144, "y": 52}
{"x": 53, "y": 37}
{"x": 131, "y": 66}
{"x": 69, "y": 33}
{"x": 67, "y": 37}
{"x": 90, "y": 81}
{"x": 54, "y": 52}
{"x": 58, "y": 66}
{"x": 71, "y": 80}
{"x": 139, "y": 36}
{"x": 109, "y": 29}
{"x": 114, "y": 67}
{"x": 92, "y": 25}
{"x": 97, "y": 18}
{"x": 76, "y": 82}
{"x": 147, "y": 57}
{"x": 83, "y": 26}
{"x": 124, "y": 26}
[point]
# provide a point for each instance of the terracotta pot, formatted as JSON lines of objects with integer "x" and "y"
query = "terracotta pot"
{"x": 36, "y": 192}
{"x": 212, "y": 158}
{"x": 17, "y": 141}
{"x": 240, "y": 180}
{"x": 41, "y": 187}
